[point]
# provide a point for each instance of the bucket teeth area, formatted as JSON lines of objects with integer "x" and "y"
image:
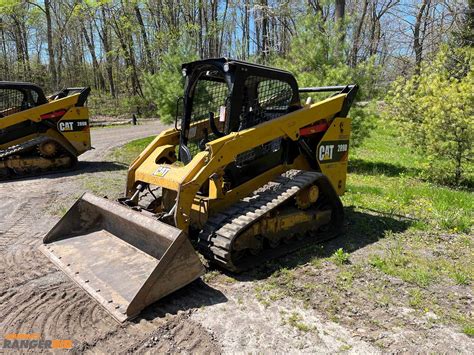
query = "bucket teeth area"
{"x": 122, "y": 258}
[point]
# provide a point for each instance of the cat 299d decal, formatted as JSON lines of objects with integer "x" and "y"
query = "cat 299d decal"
{"x": 333, "y": 150}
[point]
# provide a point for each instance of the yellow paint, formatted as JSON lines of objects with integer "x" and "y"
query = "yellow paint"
{"x": 339, "y": 130}
{"x": 188, "y": 179}
{"x": 76, "y": 142}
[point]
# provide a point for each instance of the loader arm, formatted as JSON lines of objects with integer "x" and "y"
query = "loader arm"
{"x": 34, "y": 114}
{"x": 188, "y": 179}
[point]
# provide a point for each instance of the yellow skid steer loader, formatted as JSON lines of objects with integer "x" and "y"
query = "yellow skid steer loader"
{"x": 248, "y": 173}
{"x": 40, "y": 134}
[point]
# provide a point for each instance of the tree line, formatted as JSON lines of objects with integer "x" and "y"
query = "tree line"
{"x": 110, "y": 44}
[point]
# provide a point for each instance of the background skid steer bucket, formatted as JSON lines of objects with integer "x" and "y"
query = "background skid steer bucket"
{"x": 125, "y": 259}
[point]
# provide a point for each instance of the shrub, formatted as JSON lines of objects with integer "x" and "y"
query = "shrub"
{"x": 434, "y": 112}
{"x": 163, "y": 88}
{"x": 316, "y": 59}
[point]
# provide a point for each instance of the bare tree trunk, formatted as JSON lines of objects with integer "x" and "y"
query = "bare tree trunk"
{"x": 265, "y": 31}
{"x": 358, "y": 31}
{"x": 221, "y": 39}
{"x": 201, "y": 27}
{"x": 340, "y": 10}
{"x": 246, "y": 33}
{"x": 95, "y": 63}
{"x": 150, "y": 64}
{"x": 49, "y": 36}
{"x": 417, "y": 40}
{"x": 107, "y": 48}
{"x": 340, "y": 27}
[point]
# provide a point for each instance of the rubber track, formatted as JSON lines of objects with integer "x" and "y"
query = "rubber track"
{"x": 216, "y": 238}
{"x": 19, "y": 148}
{"x": 22, "y": 147}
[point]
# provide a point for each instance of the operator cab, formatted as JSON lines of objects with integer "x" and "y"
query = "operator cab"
{"x": 224, "y": 95}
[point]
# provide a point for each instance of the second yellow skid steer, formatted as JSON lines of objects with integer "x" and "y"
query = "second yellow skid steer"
{"x": 248, "y": 173}
{"x": 40, "y": 134}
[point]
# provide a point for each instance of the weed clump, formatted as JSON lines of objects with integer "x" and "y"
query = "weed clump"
{"x": 340, "y": 257}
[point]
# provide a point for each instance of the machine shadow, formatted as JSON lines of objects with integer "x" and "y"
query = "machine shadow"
{"x": 361, "y": 229}
{"x": 194, "y": 295}
{"x": 83, "y": 167}
{"x": 87, "y": 167}
{"x": 360, "y": 166}
{"x": 95, "y": 166}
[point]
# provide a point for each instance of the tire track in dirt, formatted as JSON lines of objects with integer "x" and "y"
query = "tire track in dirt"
{"x": 21, "y": 264}
{"x": 23, "y": 231}
{"x": 35, "y": 296}
{"x": 58, "y": 311}
{"x": 177, "y": 335}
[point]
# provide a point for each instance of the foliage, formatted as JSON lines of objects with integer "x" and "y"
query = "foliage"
{"x": 434, "y": 111}
{"x": 363, "y": 118}
{"x": 340, "y": 257}
{"x": 468, "y": 330}
{"x": 316, "y": 59}
{"x": 103, "y": 104}
{"x": 162, "y": 89}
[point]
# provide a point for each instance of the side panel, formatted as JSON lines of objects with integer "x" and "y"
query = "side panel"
{"x": 332, "y": 153}
{"x": 74, "y": 126}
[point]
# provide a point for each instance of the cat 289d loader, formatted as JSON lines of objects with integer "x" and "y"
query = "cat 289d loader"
{"x": 248, "y": 173}
{"x": 40, "y": 134}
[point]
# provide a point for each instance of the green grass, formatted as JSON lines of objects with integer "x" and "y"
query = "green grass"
{"x": 128, "y": 152}
{"x": 468, "y": 330}
{"x": 384, "y": 176}
{"x": 295, "y": 321}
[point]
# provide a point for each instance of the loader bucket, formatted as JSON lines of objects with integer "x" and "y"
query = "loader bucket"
{"x": 124, "y": 259}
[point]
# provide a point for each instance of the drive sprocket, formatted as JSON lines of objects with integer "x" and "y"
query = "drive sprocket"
{"x": 48, "y": 149}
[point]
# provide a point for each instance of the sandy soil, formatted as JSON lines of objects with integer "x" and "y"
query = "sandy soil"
{"x": 217, "y": 315}
{"x": 37, "y": 298}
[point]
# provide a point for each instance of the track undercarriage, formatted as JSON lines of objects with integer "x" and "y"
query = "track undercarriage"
{"x": 34, "y": 157}
{"x": 280, "y": 217}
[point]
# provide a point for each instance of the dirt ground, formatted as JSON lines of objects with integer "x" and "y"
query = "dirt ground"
{"x": 217, "y": 314}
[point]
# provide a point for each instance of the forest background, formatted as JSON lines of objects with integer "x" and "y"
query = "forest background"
{"x": 412, "y": 59}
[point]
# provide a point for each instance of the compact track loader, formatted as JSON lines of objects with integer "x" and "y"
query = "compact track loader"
{"x": 40, "y": 134}
{"x": 248, "y": 173}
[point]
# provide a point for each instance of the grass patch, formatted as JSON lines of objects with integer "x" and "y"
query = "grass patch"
{"x": 417, "y": 299}
{"x": 385, "y": 176}
{"x": 295, "y": 321}
{"x": 128, "y": 152}
{"x": 461, "y": 278}
{"x": 110, "y": 184}
{"x": 423, "y": 260}
{"x": 468, "y": 330}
